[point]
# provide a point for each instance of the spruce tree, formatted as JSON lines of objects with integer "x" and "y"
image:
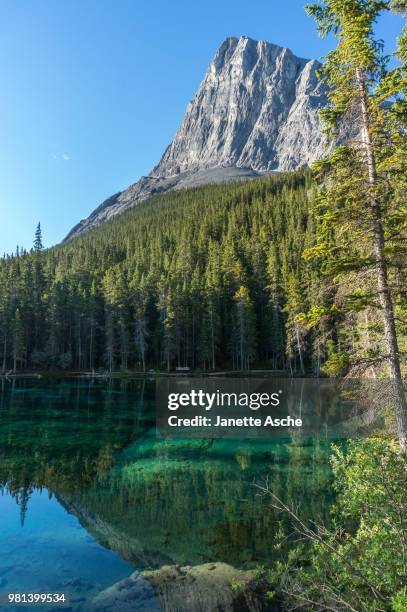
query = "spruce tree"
{"x": 38, "y": 246}
{"x": 360, "y": 212}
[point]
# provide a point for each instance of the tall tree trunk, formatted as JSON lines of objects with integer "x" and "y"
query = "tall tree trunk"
{"x": 212, "y": 339}
{"x": 109, "y": 339}
{"x": 385, "y": 298}
{"x": 4, "y": 366}
{"x": 79, "y": 346}
{"x": 91, "y": 361}
{"x": 297, "y": 336}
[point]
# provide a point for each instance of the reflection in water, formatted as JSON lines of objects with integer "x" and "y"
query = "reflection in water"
{"x": 92, "y": 446}
{"x": 192, "y": 502}
{"x": 53, "y": 552}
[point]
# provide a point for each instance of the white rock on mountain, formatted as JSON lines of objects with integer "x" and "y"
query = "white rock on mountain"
{"x": 256, "y": 111}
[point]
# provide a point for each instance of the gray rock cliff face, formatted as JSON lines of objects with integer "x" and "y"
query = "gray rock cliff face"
{"x": 256, "y": 111}
{"x": 257, "y": 107}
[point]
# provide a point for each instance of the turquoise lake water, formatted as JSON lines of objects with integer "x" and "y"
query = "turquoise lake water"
{"x": 88, "y": 494}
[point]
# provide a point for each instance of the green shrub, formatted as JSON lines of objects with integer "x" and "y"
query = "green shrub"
{"x": 359, "y": 562}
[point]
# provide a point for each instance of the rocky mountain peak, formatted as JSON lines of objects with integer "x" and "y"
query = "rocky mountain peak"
{"x": 256, "y": 111}
{"x": 252, "y": 96}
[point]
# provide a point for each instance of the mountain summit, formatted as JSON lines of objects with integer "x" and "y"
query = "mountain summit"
{"x": 256, "y": 111}
{"x": 257, "y": 107}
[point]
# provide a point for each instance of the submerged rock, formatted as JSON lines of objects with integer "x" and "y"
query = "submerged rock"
{"x": 211, "y": 587}
{"x": 133, "y": 594}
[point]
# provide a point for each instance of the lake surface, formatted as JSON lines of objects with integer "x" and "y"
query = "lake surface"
{"x": 88, "y": 494}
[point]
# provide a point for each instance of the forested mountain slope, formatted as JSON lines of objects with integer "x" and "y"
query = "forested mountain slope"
{"x": 211, "y": 277}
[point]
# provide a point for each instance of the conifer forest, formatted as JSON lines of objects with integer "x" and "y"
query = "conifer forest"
{"x": 211, "y": 278}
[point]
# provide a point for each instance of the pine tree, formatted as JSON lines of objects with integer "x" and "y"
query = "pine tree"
{"x": 245, "y": 329}
{"x": 38, "y": 246}
{"x": 18, "y": 339}
{"x": 361, "y": 219}
{"x": 140, "y": 298}
{"x": 156, "y": 287}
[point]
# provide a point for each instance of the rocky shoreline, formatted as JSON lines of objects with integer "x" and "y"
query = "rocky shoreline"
{"x": 210, "y": 587}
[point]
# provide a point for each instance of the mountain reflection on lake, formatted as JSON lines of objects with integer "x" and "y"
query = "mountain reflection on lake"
{"x": 88, "y": 493}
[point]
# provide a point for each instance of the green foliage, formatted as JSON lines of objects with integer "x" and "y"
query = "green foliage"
{"x": 400, "y": 601}
{"x": 236, "y": 585}
{"x": 360, "y": 214}
{"x": 359, "y": 562}
{"x": 337, "y": 363}
{"x": 38, "y": 246}
{"x": 205, "y": 278}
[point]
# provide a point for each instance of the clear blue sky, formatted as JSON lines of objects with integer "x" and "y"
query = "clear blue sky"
{"x": 92, "y": 92}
